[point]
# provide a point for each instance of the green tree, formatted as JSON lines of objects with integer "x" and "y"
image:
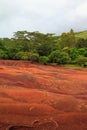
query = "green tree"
{"x": 82, "y": 51}
{"x": 3, "y": 54}
{"x": 81, "y": 43}
{"x": 73, "y": 53}
{"x": 68, "y": 39}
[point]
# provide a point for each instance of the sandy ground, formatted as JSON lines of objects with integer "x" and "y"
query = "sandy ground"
{"x": 42, "y": 97}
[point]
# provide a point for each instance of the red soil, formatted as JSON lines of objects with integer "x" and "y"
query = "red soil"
{"x": 41, "y": 97}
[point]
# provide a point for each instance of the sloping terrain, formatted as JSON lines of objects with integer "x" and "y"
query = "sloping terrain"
{"x": 82, "y": 34}
{"x": 41, "y": 97}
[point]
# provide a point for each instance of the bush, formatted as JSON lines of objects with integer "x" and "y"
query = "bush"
{"x": 64, "y": 58}
{"x": 82, "y": 51}
{"x": 73, "y": 53}
{"x": 33, "y": 57}
{"x": 3, "y": 54}
{"x": 85, "y": 64}
{"x": 59, "y": 57}
{"x": 21, "y": 55}
{"x": 44, "y": 60}
{"x": 24, "y": 57}
{"x": 82, "y": 61}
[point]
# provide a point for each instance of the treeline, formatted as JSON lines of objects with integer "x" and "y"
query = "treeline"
{"x": 45, "y": 48}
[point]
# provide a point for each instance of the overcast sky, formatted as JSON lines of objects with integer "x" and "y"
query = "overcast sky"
{"x": 46, "y": 16}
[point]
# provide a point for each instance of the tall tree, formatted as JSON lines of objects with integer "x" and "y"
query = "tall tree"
{"x": 68, "y": 39}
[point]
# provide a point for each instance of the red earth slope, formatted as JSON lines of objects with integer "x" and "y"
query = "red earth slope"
{"x": 37, "y": 97}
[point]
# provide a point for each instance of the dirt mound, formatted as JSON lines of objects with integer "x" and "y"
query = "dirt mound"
{"x": 34, "y": 96}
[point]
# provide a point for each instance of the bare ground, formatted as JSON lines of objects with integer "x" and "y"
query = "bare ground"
{"x": 42, "y": 97}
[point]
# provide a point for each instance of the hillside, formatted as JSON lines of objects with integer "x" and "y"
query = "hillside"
{"x": 37, "y": 97}
{"x": 82, "y": 34}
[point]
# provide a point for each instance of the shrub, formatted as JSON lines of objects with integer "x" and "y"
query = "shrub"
{"x": 82, "y": 61}
{"x": 59, "y": 57}
{"x": 64, "y": 58}
{"x": 33, "y": 57}
{"x": 44, "y": 60}
{"x": 85, "y": 64}
{"x": 73, "y": 53}
{"x": 21, "y": 55}
{"x": 3, "y": 54}
{"x": 82, "y": 51}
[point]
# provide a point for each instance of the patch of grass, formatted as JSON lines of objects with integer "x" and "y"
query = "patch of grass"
{"x": 73, "y": 66}
{"x": 82, "y": 34}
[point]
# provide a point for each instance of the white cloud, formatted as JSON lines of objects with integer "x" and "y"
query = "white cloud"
{"x": 54, "y": 16}
{"x": 82, "y": 10}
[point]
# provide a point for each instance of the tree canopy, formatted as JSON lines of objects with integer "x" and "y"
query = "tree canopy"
{"x": 44, "y": 48}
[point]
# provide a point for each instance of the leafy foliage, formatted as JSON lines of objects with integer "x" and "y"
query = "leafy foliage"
{"x": 44, "y": 60}
{"x": 82, "y": 61}
{"x": 45, "y": 48}
{"x": 59, "y": 57}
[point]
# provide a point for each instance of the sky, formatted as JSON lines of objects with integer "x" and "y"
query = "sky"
{"x": 45, "y": 16}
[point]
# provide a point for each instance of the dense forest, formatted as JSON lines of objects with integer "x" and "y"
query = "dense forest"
{"x": 45, "y": 48}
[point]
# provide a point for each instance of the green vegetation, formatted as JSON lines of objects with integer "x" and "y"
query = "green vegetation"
{"x": 82, "y": 61}
{"x": 68, "y": 49}
{"x": 82, "y": 34}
